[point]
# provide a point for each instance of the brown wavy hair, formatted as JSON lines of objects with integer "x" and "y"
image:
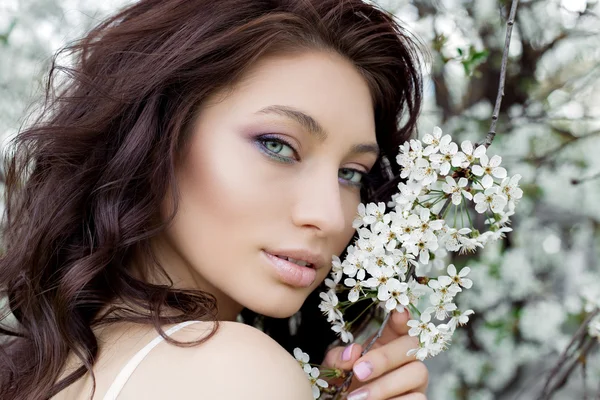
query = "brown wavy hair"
{"x": 85, "y": 181}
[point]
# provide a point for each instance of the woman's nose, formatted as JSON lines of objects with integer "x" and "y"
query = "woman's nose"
{"x": 318, "y": 204}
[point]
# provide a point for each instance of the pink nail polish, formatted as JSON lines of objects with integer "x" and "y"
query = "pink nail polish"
{"x": 363, "y": 369}
{"x": 360, "y": 394}
{"x": 347, "y": 353}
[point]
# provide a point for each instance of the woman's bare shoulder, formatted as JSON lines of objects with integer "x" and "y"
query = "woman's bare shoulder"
{"x": 238, "y": 361}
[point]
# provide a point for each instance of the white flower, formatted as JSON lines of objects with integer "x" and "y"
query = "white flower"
{"x": 433, "y": 141}
{"x": 510, "y": 188}
{"x": 443, "y": 288}
{"x": 404, "y": 227}
{"x": 420, "y": 243}
{"x": 409, "y": 153}
{"x": 439, "y": 339}
{"x": 330, "y": 283}
{"x": 316, "y": 383}
{"x": 459, "y": 319}
{"x": 490, "y": 167}
{"x": 329, "y": 306}
{"x": 379, "y": 276}
{"x": 355, "y": 263}
{"x": 394, "y": 294}
{"x": 356, "y": 289}
{"x": 340, "y": 328}
{"x": 302, "y": 359}
{"x": 424, "y": 224}
{"x": 448, "y": 150}
{"x": 467, "y": 156}
{"x": 424, "y": 171}
{"x": 503, "y": 221}
{"x": 490, "y": 199}
{"x": 454, "y": 238}
{"x": 407, "y": 195}
{"x": 441, "y": 307}
{"x": 336, "y": 269}
{"x": 421, "y": 328}
{"x": 469, "y": 245}
{"x": 457, "y": 189}
{"x": 369, "y": 214}
{"x": 420, "y": 353}
{"x": 403, "y": 261}
{"x": 459, "y": 279}
{"x": 492, "y": 236}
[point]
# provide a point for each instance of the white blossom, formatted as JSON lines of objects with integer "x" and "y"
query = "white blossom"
{"x": 447, "y": 153}
{"x": 340, "y": 328}
{"x": 424, "y": 171}
{"x": 491, "y": 199}
{"x": 329, "y": 305}
{"x": 510, "y": 188}
{"x": 456, "y": 190}
{"x": 433, "y": 141}
{"x": 468, "y": 155}
{"x": 302, "y": 359}
{"x": 458, "y": 279}
{"x": 393, "y": 293}
{"x": 459, "y": 318}
{"x": 316, "y": 383}
{"x": 490, "y": 167}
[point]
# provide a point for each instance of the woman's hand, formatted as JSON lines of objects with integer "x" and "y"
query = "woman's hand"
{"x": 385, "y": 372}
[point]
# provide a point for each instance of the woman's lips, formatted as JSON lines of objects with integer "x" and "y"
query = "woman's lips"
{"x": 291, "y": 273}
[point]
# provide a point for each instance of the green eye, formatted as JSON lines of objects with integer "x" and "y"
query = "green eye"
{"x": 351, "y": 176}
{"x": 277, "y": 149}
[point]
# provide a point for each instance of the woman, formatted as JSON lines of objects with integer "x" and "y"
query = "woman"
{"x": 200, "y": 163}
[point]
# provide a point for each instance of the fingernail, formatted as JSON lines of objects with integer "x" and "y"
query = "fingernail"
{"x": 363, "y": 369}
{"x": 360, "y": 394}
{"x": 347, "y": 353}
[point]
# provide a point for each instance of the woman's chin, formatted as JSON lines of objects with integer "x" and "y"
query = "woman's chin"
{"x": 277, "y": 309}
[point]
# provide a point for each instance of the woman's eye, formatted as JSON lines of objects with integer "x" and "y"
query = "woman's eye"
{"x": 351, "y": 176}
{"x": 277, "y": 148}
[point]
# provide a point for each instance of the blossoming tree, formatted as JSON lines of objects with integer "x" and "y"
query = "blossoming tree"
{"x": 530, "y": 300}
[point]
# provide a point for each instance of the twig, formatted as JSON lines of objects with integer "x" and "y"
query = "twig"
{"x": 576, "y": 181}
{"x": 344, "y": 387}
{"x": 509, "y": 27}
{"x": 589, "y": 344}
{"x": 444, "y": 208}
{"x": 578, "y": 337}
{"x": 574, "y": 139}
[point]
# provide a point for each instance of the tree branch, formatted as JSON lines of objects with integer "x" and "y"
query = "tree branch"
{"x": 576, "y": 342}
{"x": 538, "y": 160}
{"x": 344, "y": 387}
{"x": 509, "y": 27}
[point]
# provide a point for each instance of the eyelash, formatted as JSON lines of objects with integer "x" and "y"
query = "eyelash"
{"x": 262, "y": 140}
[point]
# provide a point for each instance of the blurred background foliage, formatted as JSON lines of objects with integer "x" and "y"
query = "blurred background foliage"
{"x": 535, "y": 289}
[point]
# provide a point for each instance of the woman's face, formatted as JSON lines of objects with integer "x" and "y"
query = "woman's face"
{"x": 272, "y": 169}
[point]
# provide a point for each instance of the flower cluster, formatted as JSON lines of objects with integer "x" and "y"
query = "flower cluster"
{"x": 444, "y": 193}
{"x": 312, "y": 373}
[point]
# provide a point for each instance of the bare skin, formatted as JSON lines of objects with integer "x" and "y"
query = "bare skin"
{"x": 244, "y": 194}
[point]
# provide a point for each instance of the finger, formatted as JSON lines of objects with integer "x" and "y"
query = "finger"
{"x": 401, "y": 381}
{"x": 395, "y": 327}
{"x": 343, "y": 357}
{"x": 383, "y": 359}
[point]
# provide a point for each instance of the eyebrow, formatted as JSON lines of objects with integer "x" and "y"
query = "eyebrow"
{"x": 313, "y": 127}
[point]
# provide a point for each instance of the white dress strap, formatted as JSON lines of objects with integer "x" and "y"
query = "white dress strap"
{"x": 127, "y": 371}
